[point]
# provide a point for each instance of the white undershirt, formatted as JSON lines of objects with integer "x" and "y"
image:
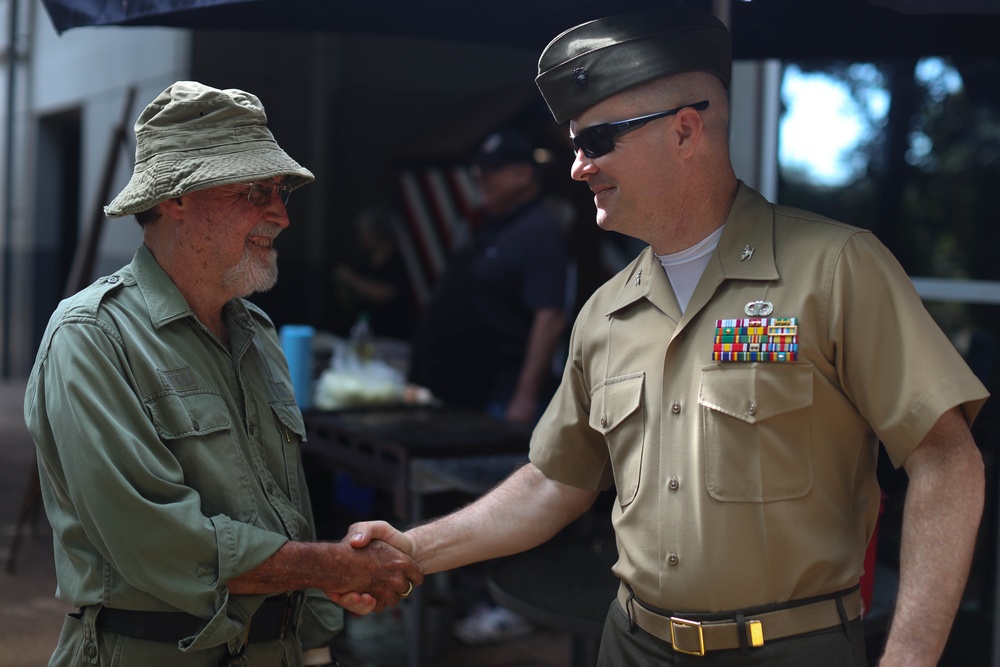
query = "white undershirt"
{"x": 684, "y": 268}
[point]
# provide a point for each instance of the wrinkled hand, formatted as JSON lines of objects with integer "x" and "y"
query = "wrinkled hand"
{"x": 366, "y": 535}
{"x": 378, "y": 574}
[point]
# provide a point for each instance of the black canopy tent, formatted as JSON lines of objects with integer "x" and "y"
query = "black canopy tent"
{"x": 854, "y": 29}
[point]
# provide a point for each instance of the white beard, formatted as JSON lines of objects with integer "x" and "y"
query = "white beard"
{"x": 251, "y": 275}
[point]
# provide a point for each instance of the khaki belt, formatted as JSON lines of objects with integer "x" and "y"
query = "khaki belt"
{"x": 697, "y": 637}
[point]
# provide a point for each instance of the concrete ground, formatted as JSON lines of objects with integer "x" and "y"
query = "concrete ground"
{"x": 30, "y": 614}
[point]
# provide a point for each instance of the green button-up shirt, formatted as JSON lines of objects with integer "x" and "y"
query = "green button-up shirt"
{"x": 169, "y": 464}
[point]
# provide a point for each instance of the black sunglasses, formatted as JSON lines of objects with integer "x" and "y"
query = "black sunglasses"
{"x": 598, "y": 140}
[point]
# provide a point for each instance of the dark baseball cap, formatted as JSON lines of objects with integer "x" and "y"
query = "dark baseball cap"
{"x": 502, "y": 148}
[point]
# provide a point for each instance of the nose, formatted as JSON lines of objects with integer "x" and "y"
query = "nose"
{"x": 276, "y": 211}
{"x": 583, "y": 166}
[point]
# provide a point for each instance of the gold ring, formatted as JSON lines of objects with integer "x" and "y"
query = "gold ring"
{"x": 408, "y": 590}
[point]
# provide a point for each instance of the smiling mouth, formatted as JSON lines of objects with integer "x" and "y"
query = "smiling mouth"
{"x": 261, "y": 241}
{"x": 600, "y": 192}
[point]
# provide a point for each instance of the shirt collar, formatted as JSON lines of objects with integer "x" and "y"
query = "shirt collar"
{"x": 163, "y": 300}
{"x": 746, "y": 249}
{"x": 745, "y": 252}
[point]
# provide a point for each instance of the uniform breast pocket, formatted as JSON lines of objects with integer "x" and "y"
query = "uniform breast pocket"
{"x": 616, "y": 412}
{"x": 757, "y": 431}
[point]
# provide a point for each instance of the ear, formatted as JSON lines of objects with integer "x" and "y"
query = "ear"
{"x": 173, "y": 208}
{"x": 689, "y": 126}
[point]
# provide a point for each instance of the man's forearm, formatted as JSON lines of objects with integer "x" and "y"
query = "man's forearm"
{"x": 522, "y": 512}
{"x": 292, "y": 567}
{"x": 943, "y": 507}
{"x": 332, "y": 568}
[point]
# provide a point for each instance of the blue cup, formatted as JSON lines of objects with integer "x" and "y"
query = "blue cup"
{"x": 296, "y": 341}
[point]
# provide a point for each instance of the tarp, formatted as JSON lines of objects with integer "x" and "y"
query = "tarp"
{"x": 855, "y": 29}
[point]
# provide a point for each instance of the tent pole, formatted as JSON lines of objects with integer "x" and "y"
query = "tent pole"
{"x": 8, "y": 186}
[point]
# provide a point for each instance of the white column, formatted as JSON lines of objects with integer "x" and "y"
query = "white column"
{"x": 755, "y": 107}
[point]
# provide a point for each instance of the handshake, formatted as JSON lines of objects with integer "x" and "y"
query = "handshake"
{"x": 395, "y": 572}
{"x": 374, "y": 567}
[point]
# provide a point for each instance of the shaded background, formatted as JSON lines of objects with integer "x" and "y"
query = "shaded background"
{"x": 364, "y": 93}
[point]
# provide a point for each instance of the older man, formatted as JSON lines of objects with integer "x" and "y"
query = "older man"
{"x": 167, "y": 431}
{"x": 730, "y": 385}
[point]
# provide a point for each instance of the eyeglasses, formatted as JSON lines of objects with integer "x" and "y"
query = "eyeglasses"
{"x": 598, "y": 140}
{"x": 260, "y": 194}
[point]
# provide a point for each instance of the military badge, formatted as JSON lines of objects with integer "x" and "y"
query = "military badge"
{"x": 772, "y": 339}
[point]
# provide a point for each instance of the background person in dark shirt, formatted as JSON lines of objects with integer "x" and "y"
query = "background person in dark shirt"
{"x": 488, "y": 336}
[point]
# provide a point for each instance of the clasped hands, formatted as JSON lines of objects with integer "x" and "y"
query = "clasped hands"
{"x": 371, "y": 535}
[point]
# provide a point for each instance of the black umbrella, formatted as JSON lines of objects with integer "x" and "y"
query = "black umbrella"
{"x": 855, "y": 29}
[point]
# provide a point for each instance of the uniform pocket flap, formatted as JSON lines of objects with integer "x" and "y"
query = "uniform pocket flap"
{"x": 614, "y": 399}
{"x": 756, "y": 392}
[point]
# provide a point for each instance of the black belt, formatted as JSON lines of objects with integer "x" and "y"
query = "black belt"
{"x": 277, "y": 618}
{"x": 745, "y": 629}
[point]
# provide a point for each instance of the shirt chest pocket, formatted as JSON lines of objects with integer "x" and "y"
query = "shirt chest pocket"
{"x": 179, "y": 416}
{"x": 197, "y": 429}
{"x": 616, "y": 412}
{"x": 756, "y": 428}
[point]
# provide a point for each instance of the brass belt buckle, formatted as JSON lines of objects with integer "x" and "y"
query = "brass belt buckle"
{"x": 676, "y": 622}
{"x": 756, "y": 632}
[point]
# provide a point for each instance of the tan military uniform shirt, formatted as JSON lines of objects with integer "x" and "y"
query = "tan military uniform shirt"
{"x": 747, "y": 483}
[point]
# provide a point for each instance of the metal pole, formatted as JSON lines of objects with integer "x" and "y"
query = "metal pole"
{"x": 8, "y": 186}
{"x": 722, "y": 11}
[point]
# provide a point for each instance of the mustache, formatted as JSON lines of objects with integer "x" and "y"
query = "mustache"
{"x": 266, "y": 229}
{"x": 597, "y": 183}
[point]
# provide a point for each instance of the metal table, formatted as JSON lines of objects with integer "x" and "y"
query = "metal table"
{"x": 411, "y": 452}
{"x": 565, "y": 584}
{"x": 379, "y": 446}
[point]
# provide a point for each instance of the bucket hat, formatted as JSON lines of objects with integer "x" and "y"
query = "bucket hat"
{"x": 193, "y": 137}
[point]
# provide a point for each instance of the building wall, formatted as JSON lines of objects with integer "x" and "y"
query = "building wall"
{"x": 77, "y": 81}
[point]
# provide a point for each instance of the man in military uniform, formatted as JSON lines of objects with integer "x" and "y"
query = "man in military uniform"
{"x": 727, "y": 384}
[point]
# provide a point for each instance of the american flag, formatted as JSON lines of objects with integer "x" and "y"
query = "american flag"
{"x": 439, "y": 204}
